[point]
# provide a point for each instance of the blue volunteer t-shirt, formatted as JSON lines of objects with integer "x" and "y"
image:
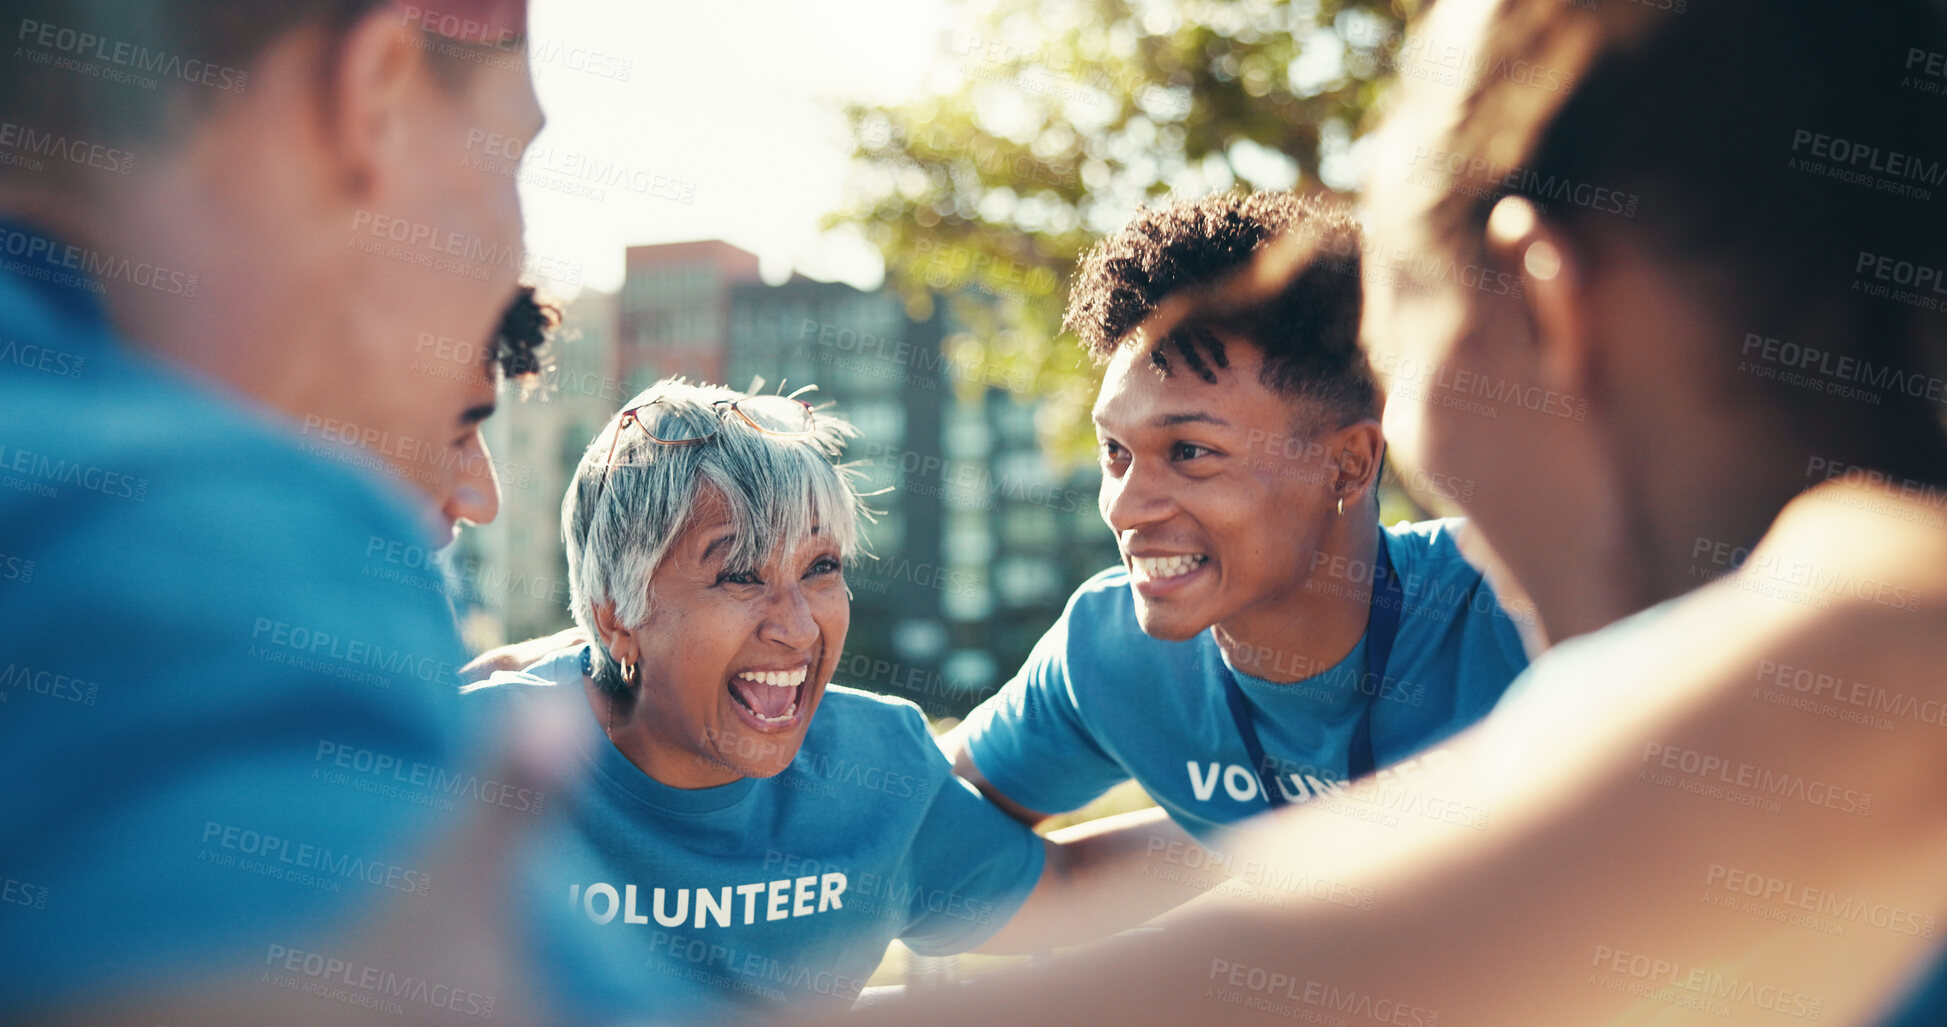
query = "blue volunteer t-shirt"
{"x": 197, "y": 620}
{"x": 695, "y": 905}
{"x": 1099, "y": 702}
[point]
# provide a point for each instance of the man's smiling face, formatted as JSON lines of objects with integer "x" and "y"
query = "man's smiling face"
{"x": 1218, "y": 494}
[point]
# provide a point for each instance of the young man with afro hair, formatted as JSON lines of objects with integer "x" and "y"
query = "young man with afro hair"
{"x": 1264, "y": 641}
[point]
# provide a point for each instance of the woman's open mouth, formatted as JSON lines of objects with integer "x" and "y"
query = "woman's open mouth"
{"x": 769, "y": 700}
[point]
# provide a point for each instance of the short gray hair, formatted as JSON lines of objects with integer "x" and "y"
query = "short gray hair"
{"x": 775, "y": 488}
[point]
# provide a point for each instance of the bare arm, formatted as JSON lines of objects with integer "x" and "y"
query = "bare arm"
{"x": 515, "y": 655}
{"x": 954, "y": 744}
{"x": 1109, "y": 875}
{"x": 1101, "y": 877}
{"x": 1614, "y": 875}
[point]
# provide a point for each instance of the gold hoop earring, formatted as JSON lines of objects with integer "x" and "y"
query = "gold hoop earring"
{"x": 1341, "y": 506}
{"x": 628, "y": 678}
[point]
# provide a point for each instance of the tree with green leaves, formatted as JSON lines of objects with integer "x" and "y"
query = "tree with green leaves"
{"x": 1055, "y": 119}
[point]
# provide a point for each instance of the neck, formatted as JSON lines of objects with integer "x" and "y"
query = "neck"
{"x": 1690, "y": 515}
{"x": 1310, "y": 627}
{"x": 632, "y": 736}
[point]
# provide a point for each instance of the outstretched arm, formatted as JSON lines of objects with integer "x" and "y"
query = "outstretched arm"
{"x": 1633, "y": 810}
{"x": 954, "y": 744}
{"x": 1106, "y": 876}
{"x": 515, "y": 655}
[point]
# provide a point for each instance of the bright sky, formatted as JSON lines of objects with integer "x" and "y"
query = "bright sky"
{"x": 724, "y": 99}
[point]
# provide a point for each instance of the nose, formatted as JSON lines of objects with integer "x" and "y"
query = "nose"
{"x": 788, "y": 620}
{"x": 1135, "y": 499}
{"x": 476, "y": 485}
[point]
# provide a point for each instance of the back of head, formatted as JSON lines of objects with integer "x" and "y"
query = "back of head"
{"x": 522, "y": 343}
{"x": 1784, "y": 161}
{"x": 1177, "y": 263}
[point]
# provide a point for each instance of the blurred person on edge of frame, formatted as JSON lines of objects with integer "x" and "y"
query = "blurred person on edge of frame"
{"x": 206, "y": 628}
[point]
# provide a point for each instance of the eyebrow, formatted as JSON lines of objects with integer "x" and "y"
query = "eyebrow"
{"x": 476, "y": 414}
{"x": 1172, "y": 420}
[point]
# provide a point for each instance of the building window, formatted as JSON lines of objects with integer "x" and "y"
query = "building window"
{"x": 1029, "y": 527}
{"x": 965, "y": 437}
{"x": 1026, "y": 582}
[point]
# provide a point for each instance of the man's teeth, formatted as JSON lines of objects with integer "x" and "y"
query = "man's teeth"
{"x": 776, "y": 678}
{"x": 1157, "y": 567}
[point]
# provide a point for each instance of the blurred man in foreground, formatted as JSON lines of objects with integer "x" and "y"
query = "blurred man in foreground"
{"x": 1718, "y": 800}
{"x": 230, "y": 725}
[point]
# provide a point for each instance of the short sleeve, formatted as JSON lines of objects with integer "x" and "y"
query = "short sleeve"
{"x": 973, "y": 865}
{"x": 1029, "y": 739}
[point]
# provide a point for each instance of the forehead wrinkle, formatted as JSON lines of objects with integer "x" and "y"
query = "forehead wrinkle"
{"x": 721, "y": 540}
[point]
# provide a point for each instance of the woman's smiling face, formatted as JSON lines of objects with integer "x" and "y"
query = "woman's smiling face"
{"x": 733, "y": 662}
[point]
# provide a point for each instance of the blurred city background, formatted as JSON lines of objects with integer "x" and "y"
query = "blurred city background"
{"x": 900, "y": 233}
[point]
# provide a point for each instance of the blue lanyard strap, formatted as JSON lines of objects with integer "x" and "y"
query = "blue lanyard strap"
{"x": 1382, "y": 626}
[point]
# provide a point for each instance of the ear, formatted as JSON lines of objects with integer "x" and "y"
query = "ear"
{"x": 1355, "y": 452}
{"x": 368, "y": 75}
{"x": 1552, "y": 269}
{"x": 618, "y": 640}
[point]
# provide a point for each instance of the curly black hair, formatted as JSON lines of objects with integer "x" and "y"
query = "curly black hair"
{"x": 523, "y": 342}
{"x": 1189, "y": 255}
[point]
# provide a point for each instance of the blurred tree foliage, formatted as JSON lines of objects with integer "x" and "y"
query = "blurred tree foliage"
{"x": 1048, "y": 122}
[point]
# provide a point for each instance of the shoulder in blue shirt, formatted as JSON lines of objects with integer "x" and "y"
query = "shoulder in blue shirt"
{"x": 197, "y": 619}
{"x": 688, "y": 905}
{"x": 1099, "y": 702}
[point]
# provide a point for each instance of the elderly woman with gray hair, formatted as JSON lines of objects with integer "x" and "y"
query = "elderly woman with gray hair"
{"x": 745, "y": 832}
